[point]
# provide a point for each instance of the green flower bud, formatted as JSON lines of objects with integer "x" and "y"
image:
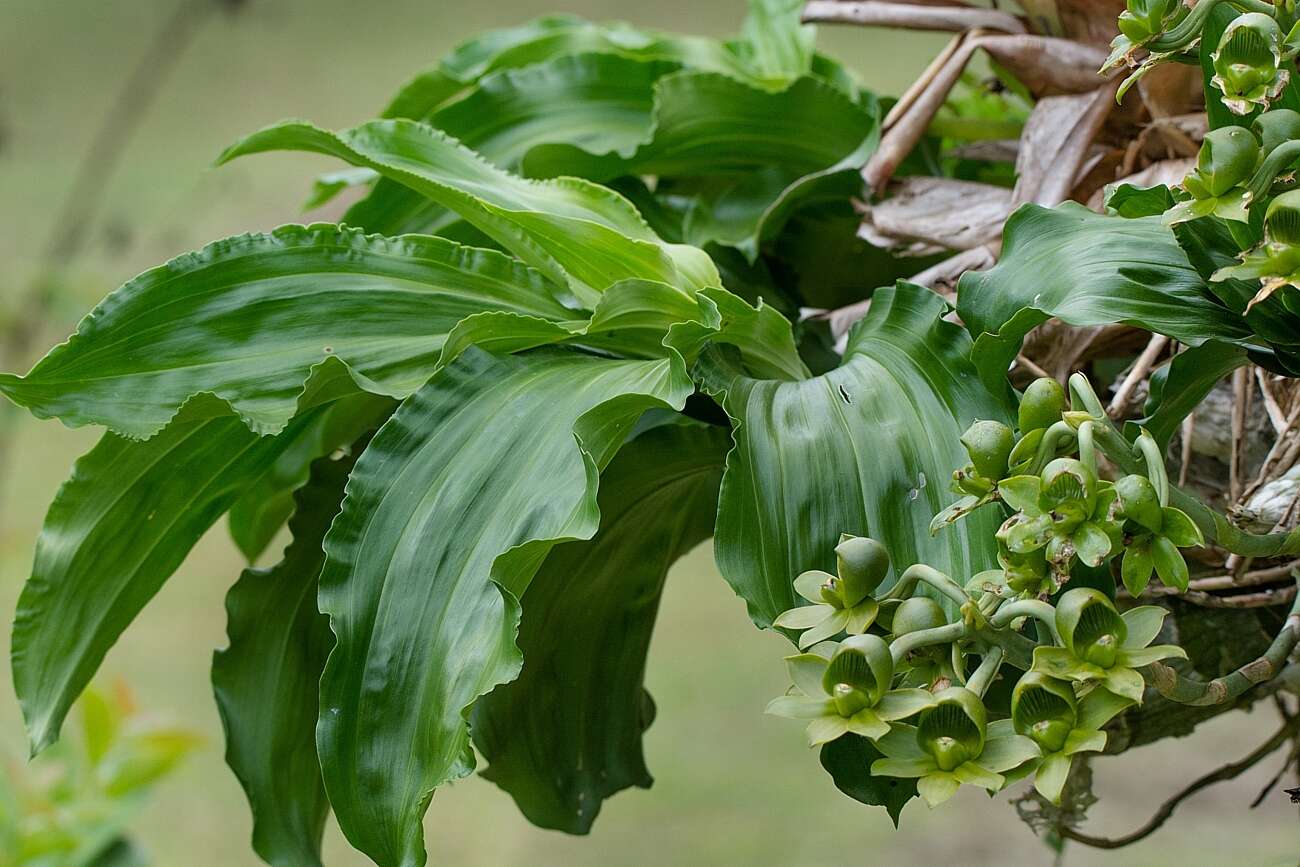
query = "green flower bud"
{"x": 953, "y": 730}
{"x": 863, "y": 564}
{"x": 860, "y": 671}
{"x": 1227, "y": 158}
{"x": 1026, "y": 571}
{"x": 1069, "y": 489}
{"x": 1136, "y": 500}
{"x": 989, "y": 444}
{"x": 1022, "y": 533}
{"x": 916, "y": 614}
{"x": 1282, "y": 219}
{"x": 1041, "y": 405}
{"x": 1248, "y": 63}
{"x": 1272, "y": 128}
{"x": 1090, "y": 626}
{"x": 1044, "y": 709}
{"x": 1144, "y": 19}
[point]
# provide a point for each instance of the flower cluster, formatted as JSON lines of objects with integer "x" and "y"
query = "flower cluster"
{"x": 892, "y": 667}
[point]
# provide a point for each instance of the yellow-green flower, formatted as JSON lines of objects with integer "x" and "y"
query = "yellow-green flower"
{"x": 843, "y": 602}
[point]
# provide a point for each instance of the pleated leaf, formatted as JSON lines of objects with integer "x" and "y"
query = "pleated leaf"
{"x": 566, "y": 734}
{"x": 118, "y": 528}
{"x": 449, "y": 512}
{"x": 266, "y": 681}
{"x": 577, "y": 233}
{"x": 866, "y": 449}
{"x": 248, "y": 318}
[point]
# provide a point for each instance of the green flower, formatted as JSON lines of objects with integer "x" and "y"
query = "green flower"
{"x": 1140, "y": 23}
{"x": 847, "y": 691}
{"x": 1045, "y": 710}
{"x": 928, "y": 665}
{"x": 841, "y": 603}
{"x": 989, "y": 444}
{"x": 953, "y": 743}
{"x": 1101, "y": 645}
{"x": 1226, "y": 161}
{"x": 1154, "y": 532}
{"x": 1058, "y": 513}
{"x": 1248, "y": 63}
{"x": 1276, "y": 262}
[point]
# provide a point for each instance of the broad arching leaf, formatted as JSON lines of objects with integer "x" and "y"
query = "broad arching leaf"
{"x": 1088, "y": 269}
{"x": 577, "y": 233}
{"x": 600, "y": 103}
{"x": 248, "y": 318}
{"x": 266, "y": 681}
{"x": 449, "y": 512}
{"x": 866, "y": 449}
{"x": 567, "y": 733}
{"x": 116, "y": 532}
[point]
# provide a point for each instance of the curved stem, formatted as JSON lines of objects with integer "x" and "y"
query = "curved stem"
{"x": 901, "y": 646}
{"x": 1047, "y": 448}
{"x": 958, "y": 660}
{"x": 1035, "y": 608}
{"x": 1227, "y": 772}
{"x": 1187, "y": 689}
{"x": 931, "y": 576}
{"x": 1189, "y": 29}
{"x": 1155, "y": 462}
{"x": 1278, "y": 160}
{"x": 1087, "y": 449}
{"x": 983, "y": 676}
{"x": 1082, "y": 394}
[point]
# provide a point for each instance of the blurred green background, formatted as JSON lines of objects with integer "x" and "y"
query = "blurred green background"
{"x": 733, "y": 786}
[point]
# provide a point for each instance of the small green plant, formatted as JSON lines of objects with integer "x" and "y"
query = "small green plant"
{"x": 73, "y": 805}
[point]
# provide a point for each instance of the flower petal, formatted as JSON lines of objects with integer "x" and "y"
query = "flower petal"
{"x": 901, "y": 743}
{"x": 800, "y": 707}
{"x": 1099, "y": 706}
{"x": 1125, "y": 682}
{"x": 1146, "y": 655}
{"x": 806, "y": 670}
{"x": 825, "y": 729}
{"x": 809, "y": 585}
{"x": 1021, "y": 493}
{"x": 1083, "y": 741}
{"x": 973, "y": 774}
{"x": 1051, "y": 776}
{"x": 936, "y": 787}
{"x": 1059, "y": 662}
{"x": 861, "y": 616}
{"x": 803, "y": 617}
{"x": 901, "y": 703}
{"x": 903, "y": 767}
{"x": 866, "y": 723}
{"x": 1143, "y": 625}
{"x": 1004, "y": 753}
{"x": 832, "y": 625}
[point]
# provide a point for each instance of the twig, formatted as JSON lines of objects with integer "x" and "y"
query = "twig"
{"x": 1241, "y": 398}
{"x": 1275, "y": 414}
{"x": 1141, "y": 367}
{"x": 873, "y": 13}
{"x": 1262, "y": 599}
{"x": 1185, "y": 464}
{"x": 1187, "y": 689}
{"x": 1029, "y": 365}
{"x": 1227, "y": 772}
{"x": 918, "y": 87}
{"x": 1280, "y": 444}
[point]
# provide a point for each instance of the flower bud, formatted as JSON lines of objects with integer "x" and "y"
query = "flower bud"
{"x": 1136, "y": 500}
{"x": 1144, "y": 19}
{"x": 1021, "y": 533}
{"x": 1044, "y": 709}
{"x": 953, "y": 730}
{"x": 916, "y": 614}
{"x": 1248, "y": 63}
{"x": 860, "y": 671}
{"x": 989, "y": 444}
{"x": 1276, "y": 127}
{"x": 863, "y": 563}
{"x": 1041, "y": 405}
{"x": 1090, "y": 626}
{"x": 1025, "y": 571}
{"x": 1227, "y": 158}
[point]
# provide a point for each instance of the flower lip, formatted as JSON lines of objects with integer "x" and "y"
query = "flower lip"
{"x": 1044, "y": 709}
{"x": 1090, "y": 626}
{"x": 953, "y": 731}
{"x": 862, "y": 664}
{"x": 1282, "y": 219}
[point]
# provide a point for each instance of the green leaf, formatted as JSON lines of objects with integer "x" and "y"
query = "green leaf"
{"x": 863, "y": 449}
{"x": 1088, "y": 269}
{"x": 567, "y": 733}
{"x": 600, "y": 103}
{"x": 775, "y": 42}
{"x": 848, "y": 761}
{"x": 266, "y": 680}
{"x": 450, "y": 511}
{"x": 1179, "y": 386}
{"x": 114, "y": 534}
{"x": 247, "y": 319}
{"x": 577, "y": 233}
